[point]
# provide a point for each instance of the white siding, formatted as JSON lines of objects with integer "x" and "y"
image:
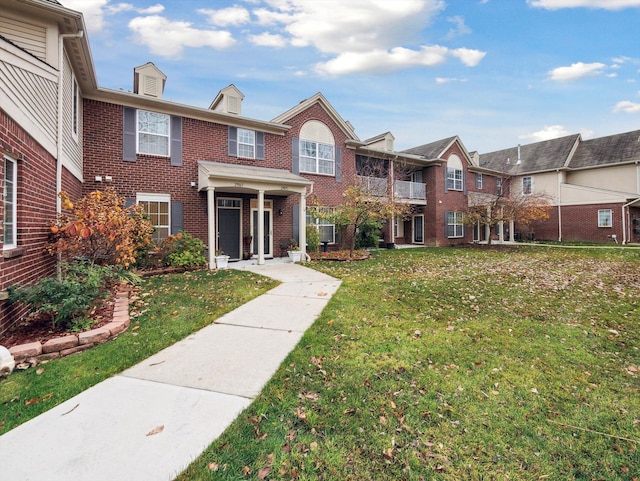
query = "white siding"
{"x": 71, "y": 147}
{"x": 30, "y": 37}
{"x": 28, "y": 93}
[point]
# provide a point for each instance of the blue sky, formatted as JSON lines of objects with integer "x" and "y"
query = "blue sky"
{"x": 494, "y": 72}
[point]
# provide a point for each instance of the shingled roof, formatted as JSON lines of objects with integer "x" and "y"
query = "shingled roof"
{"x": 537, "y": 157}
{"x": 613, "y": 149}
{"x": 431, "y": 151}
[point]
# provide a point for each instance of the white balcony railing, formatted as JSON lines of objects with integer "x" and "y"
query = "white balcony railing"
{"x": 375, "y": 186}
{"x": 410, "y": 190}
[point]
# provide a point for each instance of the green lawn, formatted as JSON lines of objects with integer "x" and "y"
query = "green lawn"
{"x": 165, "y": 310}
{"x": 452, "y": 364}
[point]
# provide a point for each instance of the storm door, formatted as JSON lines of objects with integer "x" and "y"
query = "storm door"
{"x": 229, "y": 218}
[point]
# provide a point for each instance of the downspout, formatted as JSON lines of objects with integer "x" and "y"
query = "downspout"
{"x": 61, "y": 38}
{"x": 559, "y": 207}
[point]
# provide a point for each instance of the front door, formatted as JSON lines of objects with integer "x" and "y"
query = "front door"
{"x": 268, "y": 234}
{"x": 418, "y": 229}
{"x": 229, "y": 214}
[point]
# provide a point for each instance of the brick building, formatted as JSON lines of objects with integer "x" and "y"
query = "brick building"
{"x": 242, "y": 184}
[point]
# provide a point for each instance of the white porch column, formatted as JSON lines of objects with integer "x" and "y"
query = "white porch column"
{"x": 302, "y": 225}
{"x": 501, "y": 229}
{"x": 260, "y": 227}
{"x": 212, "y": 231}
{"x": 512, "y": 233}
{"x": 487, "y": 227}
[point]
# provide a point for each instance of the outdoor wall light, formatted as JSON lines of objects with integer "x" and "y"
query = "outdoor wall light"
{"x": 108, "y": 178}
{"x": 98, "y": 178}
{"x": 280, "y": 212}
{"x": 193, "y": 184}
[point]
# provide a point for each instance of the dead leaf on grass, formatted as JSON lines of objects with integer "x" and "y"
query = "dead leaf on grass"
{"x": 213, "y": 466}
{"x": 32, "y": 401}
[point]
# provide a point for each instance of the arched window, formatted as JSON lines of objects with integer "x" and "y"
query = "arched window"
{"x": 454, "y": 173}
{"x": 317, "y": 149}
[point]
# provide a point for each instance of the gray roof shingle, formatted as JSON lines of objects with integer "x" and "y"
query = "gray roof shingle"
{"x": 536, "y": 157}
{"x": 612, "y": 149}
{"x": 432, "y": 150}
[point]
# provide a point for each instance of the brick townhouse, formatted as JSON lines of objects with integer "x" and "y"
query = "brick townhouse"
{"x": 242, "y": 184}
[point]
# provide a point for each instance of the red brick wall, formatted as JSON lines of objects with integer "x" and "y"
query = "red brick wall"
{"x": 580, "y": 223}
{"x": 201, "y": 141}
{"x": 36, "y": 209}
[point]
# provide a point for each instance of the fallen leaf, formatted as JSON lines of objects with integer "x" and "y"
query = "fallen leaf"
{"x": 156, "y": 430}
{"x": 213, "y": 466}
{"x": 246, "y": 471}
{"x": 349, "y": 411}
{"x": 313, "y": 446}
{"x": 263, "y": 472}
{"x": 46, "y": 397}
{"x": 32, "y": 401}
{"x": 534, "y": 390}
{"x": 39, "y": 371}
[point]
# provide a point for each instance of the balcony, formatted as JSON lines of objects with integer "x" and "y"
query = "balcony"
{"x": 374, "y": 186}
{"x": 413, "y": 191}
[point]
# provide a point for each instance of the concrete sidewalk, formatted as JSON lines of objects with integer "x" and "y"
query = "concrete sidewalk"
{"x": 189, "y": 392}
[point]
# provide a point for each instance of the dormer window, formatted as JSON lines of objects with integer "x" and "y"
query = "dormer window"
{"x": 153, "y": 133}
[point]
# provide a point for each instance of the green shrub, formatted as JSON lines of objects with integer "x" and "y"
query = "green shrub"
{"x": 69, "y": 299}
{"x": 183, "y": 250}
{"x": 368, "y": 235}
{"x": 313, "y": 238}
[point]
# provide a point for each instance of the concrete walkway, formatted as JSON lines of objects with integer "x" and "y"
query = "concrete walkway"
{"x": 188, "y": 393}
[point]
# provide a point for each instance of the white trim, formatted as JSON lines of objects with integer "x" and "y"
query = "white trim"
{"x": 160, "y": 198}
{"x": 413, "y": 229}
{"x": 14, "y": 208}
{"x": 168, "y": 135}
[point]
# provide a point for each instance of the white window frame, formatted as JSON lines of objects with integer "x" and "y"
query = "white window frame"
{"x": 246, "y": 143}
{"x": 321, "y": 225}
{"x": 499, "y": 185}
{"x": 10, "y": 204}
{"x": 455, "y": 223}
{"x": 528, "y": 191}
{"x": 398, "y": 226}
{"x": 311, "y": 153}
{"x": 75, "y": 107}
{"x": 454, "y": 179}
{"x": 479, "y": 181}
{"x": 606, "y": 222}
{"x": 159, "y": 199}
{"x": 161, "y": 135}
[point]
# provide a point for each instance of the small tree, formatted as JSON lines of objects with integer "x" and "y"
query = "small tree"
{"x": 359, "y": 207}
{"x": 100, "y": 228}
{"x": 505, "y": 206}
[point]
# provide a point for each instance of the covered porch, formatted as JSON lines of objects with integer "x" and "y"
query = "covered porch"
{"x": 230, "y": 187}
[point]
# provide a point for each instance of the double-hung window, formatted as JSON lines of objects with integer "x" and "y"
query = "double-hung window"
{"x": 325, "y": 228}
{"x": 246, "y": 143}
{"x": 153, "y": 133}
{"x": 605, "y": 218}
{"x": 454, "y": 178}
{"x": 527, "y": 185}
{"x": 157, "y": 211}
{"x": 499, "y": 186}
{"x": 455, "y": 226}
{"x": 9, "y": 200}
{"x": 317, "y": 158}
{"x": 479, "y": 181}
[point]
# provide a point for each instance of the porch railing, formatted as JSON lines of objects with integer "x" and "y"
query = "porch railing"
{"x": 375, "y": 186}
{"x": 410, "y": 190}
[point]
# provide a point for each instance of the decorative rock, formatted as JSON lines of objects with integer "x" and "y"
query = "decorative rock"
{"x": 59, "y": 344}
{"x": 73, "y": 350}
{"x": 7, "y": 362}
{"x": 25, "y": 351}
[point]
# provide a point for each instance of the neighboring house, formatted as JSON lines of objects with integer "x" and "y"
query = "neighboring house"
{"x": 592, "y": 185}
{"x": 45, "y": 65}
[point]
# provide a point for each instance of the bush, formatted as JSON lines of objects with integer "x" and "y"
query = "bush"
{"x": 313, "y": 238}
{"x": 368, "y": 235}
{"x": 69, "y": 299}
{"x": 182, "y": 250}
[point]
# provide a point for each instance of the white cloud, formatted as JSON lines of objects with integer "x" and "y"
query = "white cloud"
{"x": 469, "y": 57}
{"x": 576, "y": 71}
{"x": 627, "y": 107}
{"x": 460, "y": 28}
{"x": 268, "y": 40}
{"x": 92, "y": 10}
{"x": 169, "y": 38}
{"x": 547, "y": 133}
{"x": 397, "y": 58}
{"x": 152, "y": 10}
{"x": 226, "y": 16}
{"x": 604, "y": 4}
{"x": 446, "y": 80}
